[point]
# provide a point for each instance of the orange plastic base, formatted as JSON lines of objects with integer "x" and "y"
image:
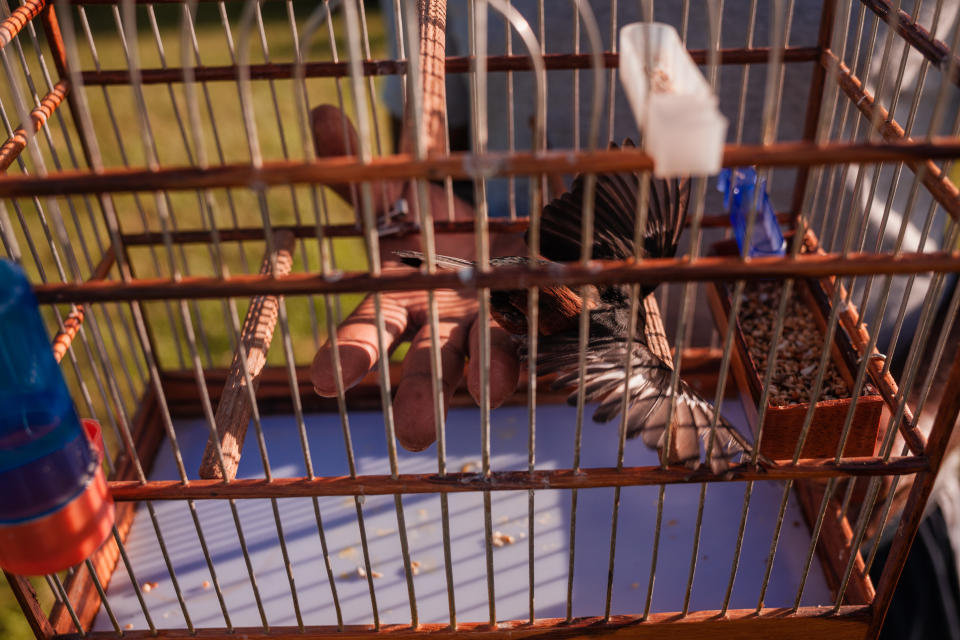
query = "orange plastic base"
{"x": 67, "y": 536}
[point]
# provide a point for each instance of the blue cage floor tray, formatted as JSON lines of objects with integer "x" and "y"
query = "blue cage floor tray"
{"x": 554, "y": 449}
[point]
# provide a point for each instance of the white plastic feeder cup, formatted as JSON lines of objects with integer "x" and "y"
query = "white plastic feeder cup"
{"x": 683, "y": 129}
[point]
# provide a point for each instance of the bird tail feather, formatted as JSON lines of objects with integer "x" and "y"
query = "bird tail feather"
{"x": 648, "y": 402}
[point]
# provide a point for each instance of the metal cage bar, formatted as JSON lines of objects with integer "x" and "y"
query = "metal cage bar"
{"x": 829, "y": 147}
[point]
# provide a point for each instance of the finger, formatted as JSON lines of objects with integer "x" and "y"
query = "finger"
{"x": 440, "y": 204}
{"x": 413, "y": 406}
{"x": 334, "y": 135}
{"x": 504, "y": 364}
{"x": 357, "y": 343}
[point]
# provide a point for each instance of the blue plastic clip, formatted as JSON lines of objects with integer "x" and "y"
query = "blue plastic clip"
{"x": 738, "y": 188}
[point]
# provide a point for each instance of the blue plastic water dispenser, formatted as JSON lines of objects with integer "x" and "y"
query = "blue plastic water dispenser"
{"x": 45, "y": 456}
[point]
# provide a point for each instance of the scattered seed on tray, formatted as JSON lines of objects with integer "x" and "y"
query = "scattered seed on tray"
{"x": 361, "y": 572}
{"x": 500, "y": 539}
{"x": 798, "y": 354}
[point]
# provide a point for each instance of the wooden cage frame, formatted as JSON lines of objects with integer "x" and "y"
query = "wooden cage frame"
{"x": 866, "y": 605}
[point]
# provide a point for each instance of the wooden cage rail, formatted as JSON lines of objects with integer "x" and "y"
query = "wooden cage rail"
{"x": 933, "y": 178}
{"x": 26, "y": 597}
{"x": 919, "y": 38}
{"x": 177, "y": 2}
{"x": 234, "y": 407}
{"x": 700, "y": 368}
{"x": 453, "y": 64}
{"x": 16, "y": 143}
{"x": 521, "y": 276}
{"x": 257, "y": 234}
{"x": 585, "y": 478}
{"x": 849, "y": 318}
{"x": 887, "y": 385}
{"x": 458, "y": 165}
{"x": 848, "y": 621}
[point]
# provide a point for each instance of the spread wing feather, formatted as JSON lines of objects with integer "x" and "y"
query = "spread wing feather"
{"x": 614, "y": 215}
{"x": 649, "y": 398}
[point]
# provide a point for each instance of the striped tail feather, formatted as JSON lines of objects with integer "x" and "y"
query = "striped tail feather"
{"x": 648, "y": 405}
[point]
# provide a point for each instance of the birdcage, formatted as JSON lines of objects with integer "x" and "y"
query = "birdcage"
{"x": 167, "y": 150}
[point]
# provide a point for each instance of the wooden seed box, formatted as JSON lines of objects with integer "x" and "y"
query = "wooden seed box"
{"x": 783, "y": 423}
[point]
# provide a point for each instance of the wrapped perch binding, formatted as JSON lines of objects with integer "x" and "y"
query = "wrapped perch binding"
{"x": 676, "y": 110}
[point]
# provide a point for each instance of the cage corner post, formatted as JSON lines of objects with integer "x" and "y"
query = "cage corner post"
{"x": 946, "y": 418}
{"x": 815, "y": 96}
{"x": 27, "y": 599}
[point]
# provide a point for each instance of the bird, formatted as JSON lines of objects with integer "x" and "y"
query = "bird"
{"x": 608, "y": 340}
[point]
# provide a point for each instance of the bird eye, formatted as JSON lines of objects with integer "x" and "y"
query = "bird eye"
{"x": 511, "y": 319}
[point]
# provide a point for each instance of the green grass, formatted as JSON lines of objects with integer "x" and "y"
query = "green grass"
{"x": 168, "y": 124}
{"x": 83, "y": 219}
{"x": 13, "y": 625}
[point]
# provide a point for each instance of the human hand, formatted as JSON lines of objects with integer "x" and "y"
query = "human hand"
{"x": 406, "y": 313}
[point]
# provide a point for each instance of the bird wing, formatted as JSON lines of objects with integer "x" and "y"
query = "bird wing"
{"x": 416, "y": 259}
{"x": 615, "y": 210}
{"x": 649, "y": 397}
{"x": 666, "y": 216}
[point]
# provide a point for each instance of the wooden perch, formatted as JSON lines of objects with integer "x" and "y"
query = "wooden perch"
{"x": 432, "y": 15}
{"x": 64, "y": 337}
{"x": 234, "y": 409}
{"x": 653, "y": 330}
{"x": 684, "y": 443}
